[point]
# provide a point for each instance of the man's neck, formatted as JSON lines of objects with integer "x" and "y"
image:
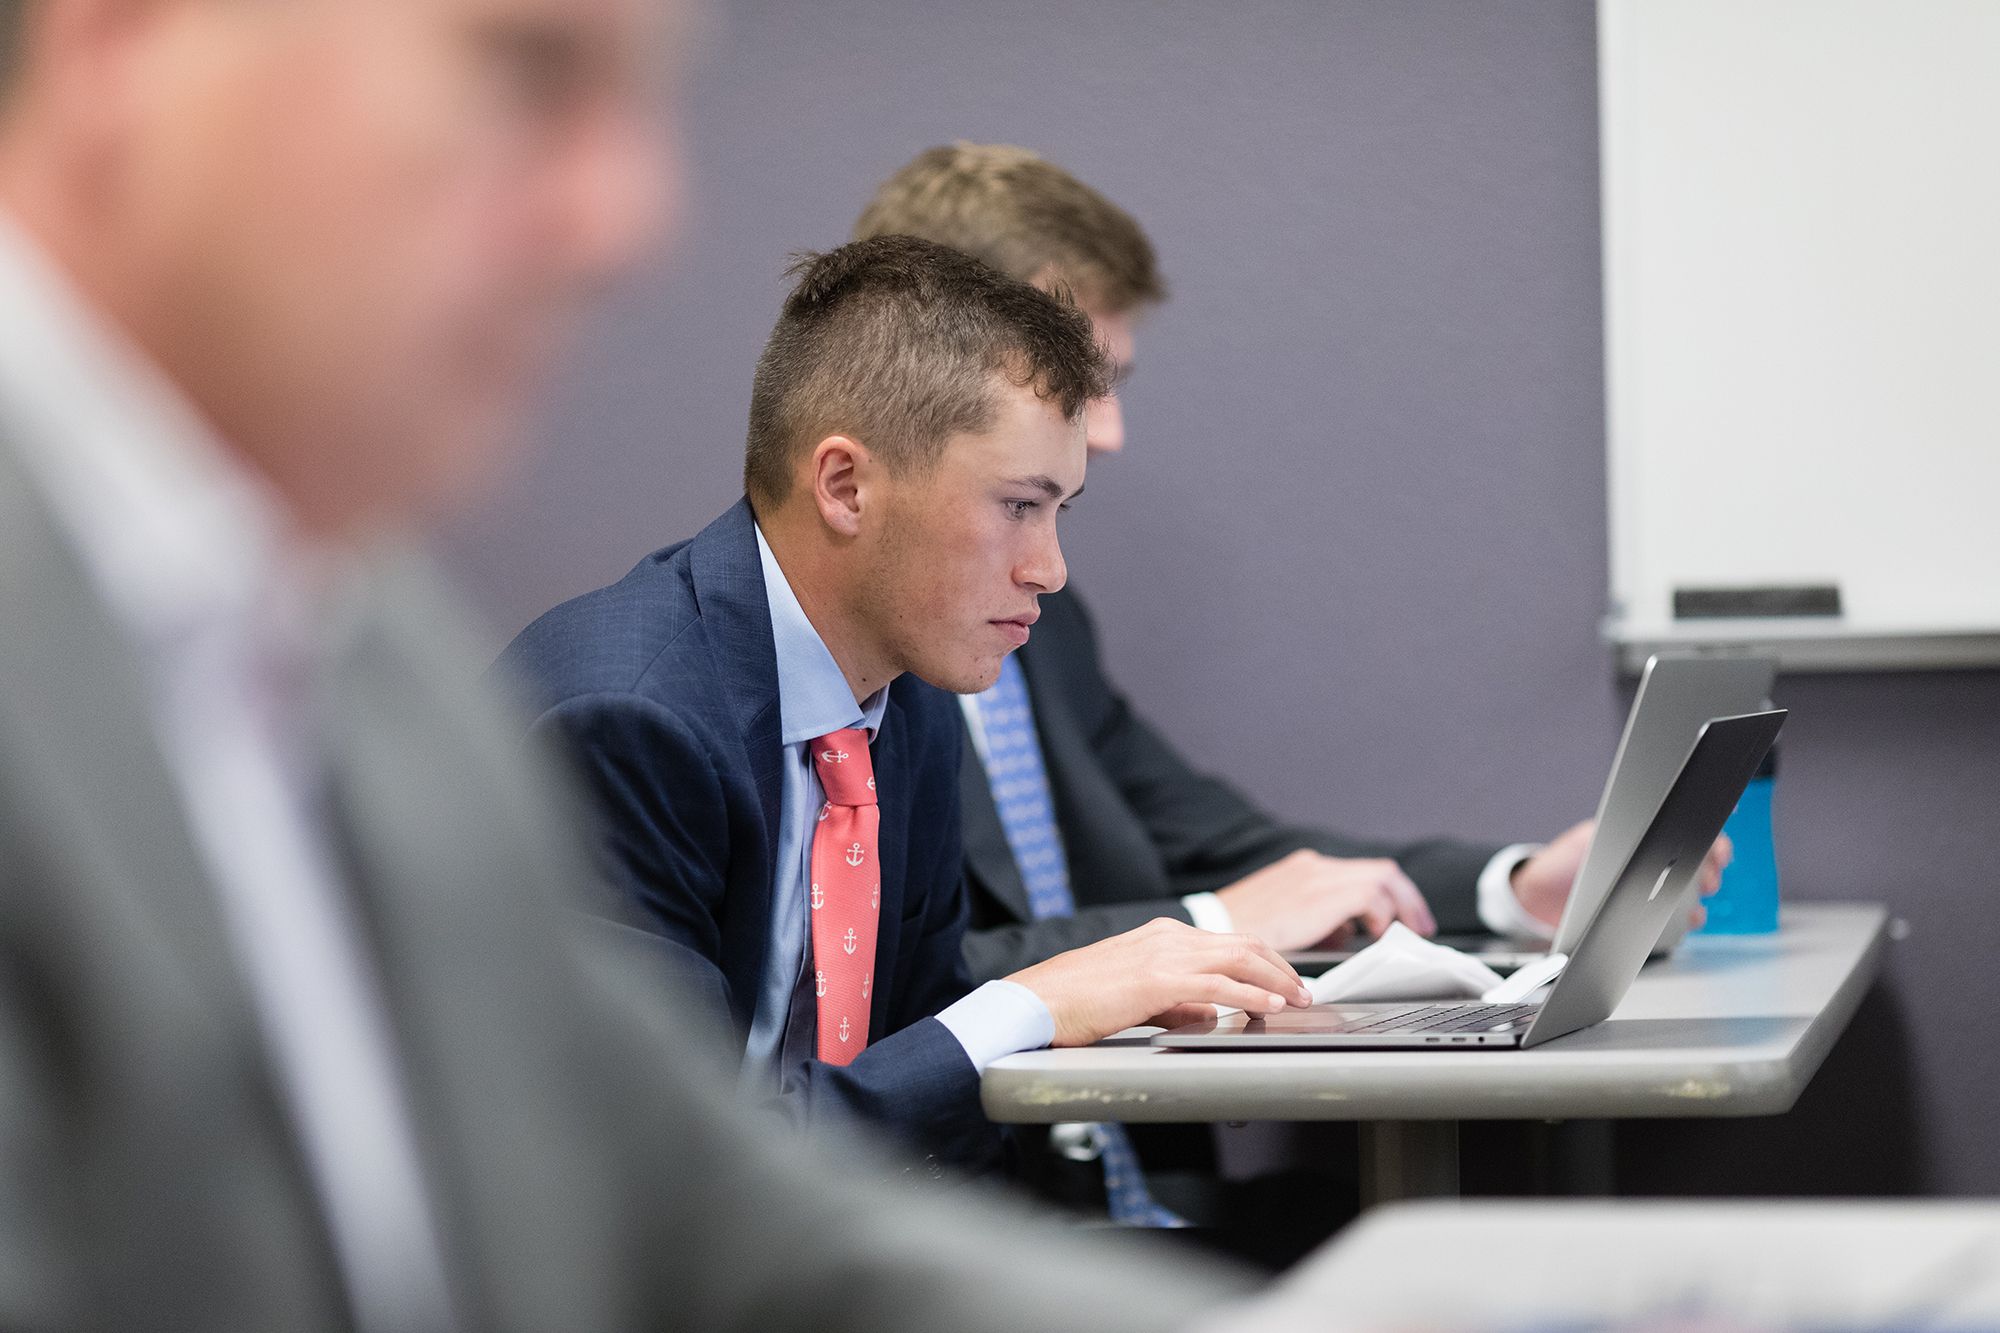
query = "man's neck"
{"x": 814, "y": 567}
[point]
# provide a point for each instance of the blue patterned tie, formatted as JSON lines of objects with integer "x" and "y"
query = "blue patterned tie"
{"x": 1020, "y": 784}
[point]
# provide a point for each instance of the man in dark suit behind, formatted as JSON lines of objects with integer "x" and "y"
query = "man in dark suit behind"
{"x": 915, "y": 428}
{"x": 1081, "y": 818}
{"x": 296, "y": 1031}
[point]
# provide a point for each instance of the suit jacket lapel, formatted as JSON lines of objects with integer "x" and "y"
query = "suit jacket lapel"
{"x": 398, "y": 809}
{"x": 447, "y": 848}
{"x": 988, "y": 858}
{"x": 729, "y": 591}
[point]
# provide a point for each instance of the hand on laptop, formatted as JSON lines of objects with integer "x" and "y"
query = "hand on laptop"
{"x": 1165, "y": 972}
{"x": 1305, "y": 898}
{"x": 1543, "y": 881}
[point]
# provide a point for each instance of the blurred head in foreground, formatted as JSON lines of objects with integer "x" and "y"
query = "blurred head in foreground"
{"x": 348, "y": 231}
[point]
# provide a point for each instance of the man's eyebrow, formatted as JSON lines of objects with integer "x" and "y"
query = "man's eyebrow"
{"x": 1048, "y": 486}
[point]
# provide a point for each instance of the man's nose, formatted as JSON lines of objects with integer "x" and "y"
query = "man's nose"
{"x": 1045, "y": 570}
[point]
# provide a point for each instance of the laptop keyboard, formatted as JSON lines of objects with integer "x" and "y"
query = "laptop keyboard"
{"x": 1438, "y": 1018}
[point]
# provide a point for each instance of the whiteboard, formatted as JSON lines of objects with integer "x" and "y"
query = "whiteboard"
{"x": 1802, "y": 321}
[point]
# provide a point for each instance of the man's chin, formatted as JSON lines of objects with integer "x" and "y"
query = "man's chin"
{"x": 963, "y": 677}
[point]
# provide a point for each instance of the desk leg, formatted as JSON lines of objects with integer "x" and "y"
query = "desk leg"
{"x": 1408, "y": 1159}
{"x": 1573, "y": 1158}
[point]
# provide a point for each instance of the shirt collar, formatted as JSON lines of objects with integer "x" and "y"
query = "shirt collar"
{"x": 178, "y": 535}
{"x": 813, "y": 694}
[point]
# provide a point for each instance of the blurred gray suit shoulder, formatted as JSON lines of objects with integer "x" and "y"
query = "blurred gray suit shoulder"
{"x": 584, "y": 1155}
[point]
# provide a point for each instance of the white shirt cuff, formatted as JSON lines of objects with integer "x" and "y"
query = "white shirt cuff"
{"x": 998, "y": 1019}
{"x": 1499, "y": 910}
{"x": 1208, "y": 913}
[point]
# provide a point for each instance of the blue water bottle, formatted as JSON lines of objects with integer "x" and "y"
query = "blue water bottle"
{"x": 1747, "y": 902}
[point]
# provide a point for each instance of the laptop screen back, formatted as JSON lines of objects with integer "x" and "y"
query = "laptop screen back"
{"x": 1677, "y": 694}
{"x": 1647, "y": 888}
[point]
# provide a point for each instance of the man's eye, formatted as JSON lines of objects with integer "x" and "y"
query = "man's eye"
{"x": 1020, "y": 508}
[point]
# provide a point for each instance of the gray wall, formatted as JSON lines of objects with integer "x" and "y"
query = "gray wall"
{"x": 1355, "y": 554}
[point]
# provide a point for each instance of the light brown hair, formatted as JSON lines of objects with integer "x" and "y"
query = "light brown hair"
{"x": 896, "y": 341}
{"x": 1023, "y": 215}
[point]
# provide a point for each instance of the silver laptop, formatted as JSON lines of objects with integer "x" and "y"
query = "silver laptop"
{"x": 1677, "y": 694}
{"x": 1614, "y": 945}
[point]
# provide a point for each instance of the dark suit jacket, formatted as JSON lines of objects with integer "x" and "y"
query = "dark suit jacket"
{"x": 1141, "y": 827}
{"x": 589, "y": 1168}
{"x": 664, "y": 688}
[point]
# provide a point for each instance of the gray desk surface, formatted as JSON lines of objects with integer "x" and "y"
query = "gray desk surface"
{"x": 1659, "y": 1264}
{"x": 1730, "y": 1026}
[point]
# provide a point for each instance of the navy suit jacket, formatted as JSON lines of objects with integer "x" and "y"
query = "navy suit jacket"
{"x": 663, "y": 690}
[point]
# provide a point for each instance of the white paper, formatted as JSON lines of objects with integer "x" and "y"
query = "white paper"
{"x": 1403, "y": 965}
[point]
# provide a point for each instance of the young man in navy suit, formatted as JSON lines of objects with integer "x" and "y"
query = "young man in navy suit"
{"x": 762, "y": 714}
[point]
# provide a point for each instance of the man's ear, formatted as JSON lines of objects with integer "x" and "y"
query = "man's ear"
{"x": 837, "y": 473}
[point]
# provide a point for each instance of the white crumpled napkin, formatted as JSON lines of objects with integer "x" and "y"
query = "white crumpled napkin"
{"x": 1403, "y": 965}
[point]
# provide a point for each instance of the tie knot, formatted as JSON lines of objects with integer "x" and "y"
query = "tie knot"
{"x": 841, "y": 760}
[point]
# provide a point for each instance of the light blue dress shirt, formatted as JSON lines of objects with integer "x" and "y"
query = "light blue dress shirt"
{"x": 997, "y": 1019}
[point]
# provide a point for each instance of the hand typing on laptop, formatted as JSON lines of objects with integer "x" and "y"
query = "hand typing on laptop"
{"x": 1301, "y": 899}
{"x": 1310, "y": 900}
{"x": 1307, "y": 898}
{"x": 1169, "y": 973}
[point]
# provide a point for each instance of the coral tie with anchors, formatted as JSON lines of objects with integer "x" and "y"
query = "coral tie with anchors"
{"x": 846, "y": 892}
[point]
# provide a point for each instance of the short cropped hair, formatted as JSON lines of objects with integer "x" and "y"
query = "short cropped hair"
{"x": 896, "y": 342}
{"x": 1025, "y": 216}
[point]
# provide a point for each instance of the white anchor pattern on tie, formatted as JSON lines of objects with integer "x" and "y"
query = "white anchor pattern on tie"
{"x": 1020, "y": 784}
{"x": 846, "y": 892}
